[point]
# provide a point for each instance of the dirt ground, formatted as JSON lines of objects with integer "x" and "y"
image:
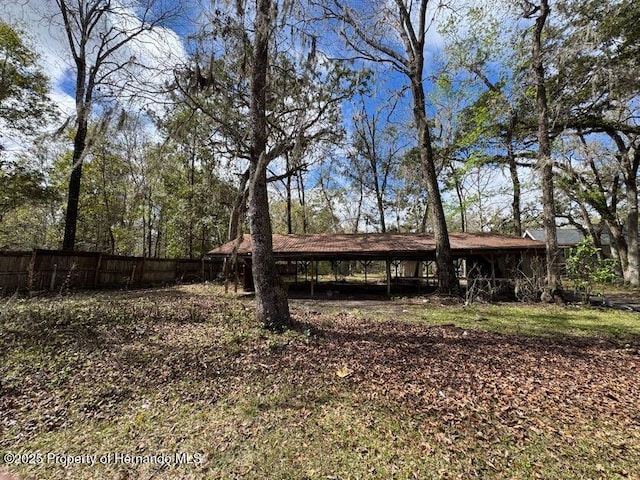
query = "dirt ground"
{"x": 370, "y": 298}
{"x": 373, "y": 298}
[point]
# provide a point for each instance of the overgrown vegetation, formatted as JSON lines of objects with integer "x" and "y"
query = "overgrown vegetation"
{"x": 440, "y": 391}
{"x": 586, "y": 269}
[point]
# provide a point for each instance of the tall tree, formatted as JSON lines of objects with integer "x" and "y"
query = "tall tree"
{"x": 197, "y": 201}
{"x": 412, "y": 197}
{"x": 454, "y": 160}
{"x": 21, "y": 184}
{"x": 265, "y": 102}
{"x": 540, "y": 13}
{"x": 303, "y": 103}
{"x": 314, "y": 216}
{"x": 25, "y": 109}
{"x": 370, "y": 29}
{"x": 272, "y": 307}
{"x": 495, "y": 124}
{"x": 596, "y": 89}
{"x": 98, "y": 33}
{"x": 374, "y": 161}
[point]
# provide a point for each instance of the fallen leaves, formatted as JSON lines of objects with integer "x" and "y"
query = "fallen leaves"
{"x": 499, "y": 386}
{"x": 472, "y": 398}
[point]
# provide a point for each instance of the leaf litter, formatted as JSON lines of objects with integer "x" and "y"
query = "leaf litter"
{"x": 462, "y": 400}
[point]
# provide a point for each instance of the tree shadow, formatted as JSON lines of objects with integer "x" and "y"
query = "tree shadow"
{"x": 420, "y": 340}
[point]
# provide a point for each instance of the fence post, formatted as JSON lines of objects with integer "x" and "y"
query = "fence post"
{"x": 225, "y": 269}
{"x": 133, "y": 272}
{"x": 142, "y": 269}
{"x": 388, "y": 271}
{"x": 235, "y": 284}
{"x": 52, "y": 282}
{"x": 493, "y": 271}
{"x": 313, "y": 277}
{"x": 96, "y": 274}
{"x": 31, "y": 271}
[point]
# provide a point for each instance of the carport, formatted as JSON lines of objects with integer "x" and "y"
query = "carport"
{"x": 497, "y": 257}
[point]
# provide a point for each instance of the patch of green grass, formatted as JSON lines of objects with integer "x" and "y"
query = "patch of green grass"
{"x": 608, "y": 289}
{"x": 262, "y": 437}
{"x": 509, "y": 318}
{"x": 535, "y": 319}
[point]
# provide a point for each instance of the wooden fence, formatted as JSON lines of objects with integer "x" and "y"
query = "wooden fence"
{"x": 57, "y": 270}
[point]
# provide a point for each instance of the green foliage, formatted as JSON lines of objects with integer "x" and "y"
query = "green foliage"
{"x": 105, "y": 203}
{"x": 194, "y": 199}
{"x": 586, "y": 270}
{"x": 315, "y": 215}
{"x": 28, "y": 202}
{"x": 20, "y": 185}
{"x": 138, "y": 196}
{"x": 24, "y": 104}
{"x": 595, "y": 85}
{"x": 24, "y": 108}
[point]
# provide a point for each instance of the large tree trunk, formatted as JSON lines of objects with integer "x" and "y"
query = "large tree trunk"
{"x": 628, "y": 244}
{"x": 619, "y": 248}
{"x": 631, "y": 273}
{"x": 460, "y": 196}
{"x": 272, "y": 307}
{"x": 447, "y": 278}
{"x": 239, "y": 207}
{"x": 192, "y": 182}
{"x": 303, "y": 203}
{"x": 380, "y": 204}
{"x": 73, "y": 197}
{"x": 545, "y": 162}
{"x": 373, "y": 163}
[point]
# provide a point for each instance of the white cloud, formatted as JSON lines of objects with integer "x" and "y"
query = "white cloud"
{"x": 155, "y": 52}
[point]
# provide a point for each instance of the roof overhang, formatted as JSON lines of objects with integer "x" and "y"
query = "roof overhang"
{"x": 381, "y": 246}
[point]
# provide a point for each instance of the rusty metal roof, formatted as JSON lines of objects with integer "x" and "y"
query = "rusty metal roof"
{"x": 381, "y": 245}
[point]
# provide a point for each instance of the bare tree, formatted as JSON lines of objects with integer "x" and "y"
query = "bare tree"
{"x": 98, "y": 33}
{"x": 395, "y": 34}
{"x": 375, "y": 159}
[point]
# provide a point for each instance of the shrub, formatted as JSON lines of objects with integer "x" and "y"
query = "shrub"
{"x": 585, "y": 269}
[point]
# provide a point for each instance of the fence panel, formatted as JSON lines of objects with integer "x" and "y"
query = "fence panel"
{"x": 54, "y": 269}
{"x": 14, "y": 270}
{"x": 159, "y": 271}
{"x": 116, "y": 271}
{"x": 189, "y": 270}
{"x": 57, "y": 270}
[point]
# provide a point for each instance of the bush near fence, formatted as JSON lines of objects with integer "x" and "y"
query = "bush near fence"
{"x": 39, "y": 270}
